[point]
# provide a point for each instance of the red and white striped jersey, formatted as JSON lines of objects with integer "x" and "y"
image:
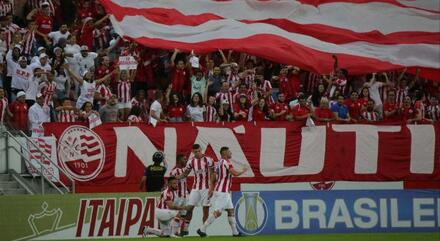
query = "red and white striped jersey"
{"x": 167, "y": 195}
{"x": 224, "y": 178}
{"x": 225, "y": 96}
{"x": 6, "y": 7}
{"x": 266, "y": 86}
{"x": 9, "y": 31}
{"x": 28, "y": 42}
{"x": 3, "y": 106}
{"x": 313, "y": 81}
{"x": 182, "y": 189}
{"x": 47, "y": 90}
{"x": 124, "y": 91}
{"x": 370, "y": 115}
{"x": 400, "y": 95}
{"x": 432, "y": 112}
{"x": 383, "y": 92}
{"x": 200, "y": 167}
{"x": 232, "y": 78}
{"x": 134, "y": 119}
{"x": 66, "y": 116}
{"x": 249, "y": 79}
{"x": 101, "y": 37}
{"x": 210, "y": 114}
{"x": 105, "y": 93}
{"x": 420, "y": 106}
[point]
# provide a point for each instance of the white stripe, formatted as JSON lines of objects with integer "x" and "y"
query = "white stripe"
{"x": 425, "y": 55}
{"x": 354, "y": 16}
{"x": 425, "y": 4}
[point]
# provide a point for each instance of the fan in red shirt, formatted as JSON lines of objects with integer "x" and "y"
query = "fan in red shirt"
{"x": 260, "y": 111}
{"x": 354, "y": 105}
{"x": 87, "y": 9}
{"x": 364, "y": 97}
{"x": 19, "y": 111}
{"x": 301, "y": 111}
{"x": 176, "y": 110}
{"x": 323, "y": 112}
{"x": 86, "y": 32}
{"x": 391, "y": 107}
{"x": 280, "y": 110}
{"x": 241, "y": 112}
{"x": 289, "y": 83}
{"x": 180, "y": 74}
{"x": 43, "y": 21}
{"x": 419, "y": 106}
{"x": 407, "y": 110}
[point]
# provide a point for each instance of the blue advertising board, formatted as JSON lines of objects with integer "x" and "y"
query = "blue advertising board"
{"x": 348, "y": 211}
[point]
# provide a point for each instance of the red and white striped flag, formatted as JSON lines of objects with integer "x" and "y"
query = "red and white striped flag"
{"x": 367, "y": 36}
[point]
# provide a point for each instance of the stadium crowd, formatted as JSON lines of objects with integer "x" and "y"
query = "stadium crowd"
{"x": 54, "y": 68}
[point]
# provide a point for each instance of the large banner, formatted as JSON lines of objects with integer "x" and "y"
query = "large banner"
{"x": 112, "y": 157}
{"x": 122, "y": 215}
{"x": 287, "y": 212}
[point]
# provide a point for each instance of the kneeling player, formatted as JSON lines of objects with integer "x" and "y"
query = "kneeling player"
{"x": 222, "y": 195}
{"x": 167, "y": 212}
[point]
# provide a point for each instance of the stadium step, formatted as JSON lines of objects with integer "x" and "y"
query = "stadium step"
{"x": 9, "y": 186}
{"x": 13, "y": 191}
{"x": 5, "y": 177}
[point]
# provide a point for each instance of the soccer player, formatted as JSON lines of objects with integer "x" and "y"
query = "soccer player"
{"x": 182, "y": 188}
{"x": 222, "y": 196}
{"x": 203, "y": 168}
{"x": 167, "y": 212}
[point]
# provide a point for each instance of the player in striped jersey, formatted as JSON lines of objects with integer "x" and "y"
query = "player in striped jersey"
{"x": 203, "y": 169}
{"x": 222, "y": 200}
{"x": 167, "y": 212}
{"x": 182, "y": 189}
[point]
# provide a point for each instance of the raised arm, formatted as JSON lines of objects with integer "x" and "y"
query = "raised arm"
{"x": 236, "y": 173}
{"x": 73, "y": 75}
{"x": 225, "y": 61}
{"x": 173, "y": 57}
{"x": 108, "y": 76}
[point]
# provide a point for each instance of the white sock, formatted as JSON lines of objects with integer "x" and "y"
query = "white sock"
{"x": 155, "y": 231}
{"x": 233, "y": 225}
{"x": 175, "y": 227}
{"x": 208, "y": 222}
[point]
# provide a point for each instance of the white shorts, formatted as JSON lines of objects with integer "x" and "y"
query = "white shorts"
{"x": 165, "y": 215}
{"x": 124, "y": 105}
{"x": 180, "y": 201}
{"x": 222, "y": 201}
{"x": 197, "y": 197}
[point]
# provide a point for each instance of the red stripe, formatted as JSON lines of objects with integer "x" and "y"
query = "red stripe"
{"x": 200, "y": 179}
{"x": 323, "y": 32}
{"x": 316, "y": 3}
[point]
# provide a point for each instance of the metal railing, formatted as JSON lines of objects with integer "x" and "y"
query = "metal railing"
{"x": 44, "y": 173}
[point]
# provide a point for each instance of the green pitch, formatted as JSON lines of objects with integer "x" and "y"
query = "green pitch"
{"x": 321, "y": 237}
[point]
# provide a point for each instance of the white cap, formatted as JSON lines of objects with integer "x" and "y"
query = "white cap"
{"x": 41, "y": 48}
{"x": 18, "y": 46}
{"x": 45, "y": 3}
{"x": 57, "y": 48}
{"x": 85, "y": 72}
{"x": 39, "y": 95}
{"x": 43, "y": 55}
{"x": 22, "y": 58}
{"x": 84, "y": 48}
{"x": 20, "y": 94}
{"x": 194, "y": 62}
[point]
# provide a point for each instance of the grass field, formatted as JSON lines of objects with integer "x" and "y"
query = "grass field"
{"x": 322, "y": 237}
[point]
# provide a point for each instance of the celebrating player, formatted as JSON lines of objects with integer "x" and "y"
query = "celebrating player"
{"x": 222, "y": 196}
{"x": 182, "y": 189}
{"x": 203, "y": 168}
{"x": 167, "y": 212}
